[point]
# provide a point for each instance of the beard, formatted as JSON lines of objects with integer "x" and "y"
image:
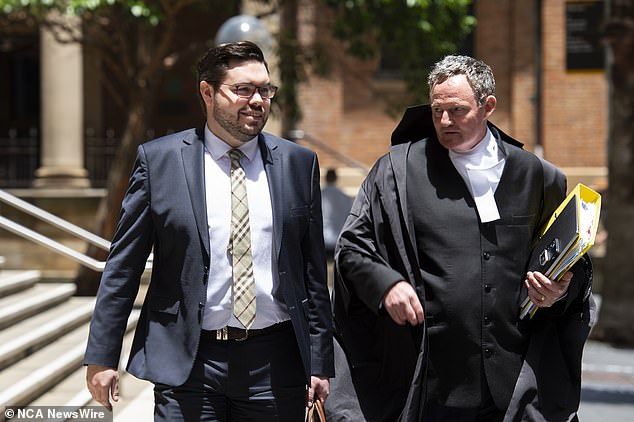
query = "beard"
{"x": 242, "y": 132}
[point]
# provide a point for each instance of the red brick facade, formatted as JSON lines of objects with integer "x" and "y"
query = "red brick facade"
{"x": 347, "y": 110}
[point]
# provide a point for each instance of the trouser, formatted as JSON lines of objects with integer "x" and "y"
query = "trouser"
{"x": 260, "y": 379}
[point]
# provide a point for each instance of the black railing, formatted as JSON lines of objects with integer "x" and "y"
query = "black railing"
{"x": 300, "y": 135}
{"x": 19, "y": 158}
{"x": 100, "y": 153}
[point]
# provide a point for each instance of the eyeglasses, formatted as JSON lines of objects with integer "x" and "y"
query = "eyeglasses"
{"x": 246, "y": 90}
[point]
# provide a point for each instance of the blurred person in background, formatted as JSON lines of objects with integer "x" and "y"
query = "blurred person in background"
{"x": 335, "y": 205}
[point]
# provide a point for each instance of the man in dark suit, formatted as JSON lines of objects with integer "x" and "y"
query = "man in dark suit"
{"x": 236, "y": 323}
{"x": 432, "y": 266}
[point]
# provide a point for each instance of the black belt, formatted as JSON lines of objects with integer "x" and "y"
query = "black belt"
{"x": 240, "y": 334}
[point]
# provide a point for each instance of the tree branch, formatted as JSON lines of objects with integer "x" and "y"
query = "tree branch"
{"x": 166, "y": 38}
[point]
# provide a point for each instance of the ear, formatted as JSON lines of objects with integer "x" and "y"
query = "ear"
{"x": 207, "y": 93}
{"x": 489, "y": 105}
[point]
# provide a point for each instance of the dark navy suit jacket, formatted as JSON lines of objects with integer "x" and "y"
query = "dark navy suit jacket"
{"x": 164, "y": 211}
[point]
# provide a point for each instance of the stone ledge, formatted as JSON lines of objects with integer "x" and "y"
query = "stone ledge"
{"x": 58, "y": 192}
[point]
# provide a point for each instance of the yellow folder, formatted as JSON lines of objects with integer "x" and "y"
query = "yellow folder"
{"x": 567, "y": 236}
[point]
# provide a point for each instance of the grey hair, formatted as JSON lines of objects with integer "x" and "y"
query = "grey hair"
{"x": 479, "y": 75}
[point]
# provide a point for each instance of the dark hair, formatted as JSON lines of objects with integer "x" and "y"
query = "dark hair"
{"x": 331, "y": 176}
{"x": 213, "y": 66}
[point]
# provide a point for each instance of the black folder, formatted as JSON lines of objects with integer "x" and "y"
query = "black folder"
{"x": 560, "y": 236}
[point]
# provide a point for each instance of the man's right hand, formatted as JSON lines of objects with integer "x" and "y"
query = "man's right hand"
{"x": 103, "y": 384}
{"x": 402, "y": 304}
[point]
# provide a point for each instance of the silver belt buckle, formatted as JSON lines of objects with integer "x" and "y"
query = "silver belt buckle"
{"x": 222, "y": 334}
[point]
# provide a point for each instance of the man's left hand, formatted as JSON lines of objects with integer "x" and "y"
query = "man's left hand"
{"x": 319, "y": 390}
{"x": 544, "y": 292}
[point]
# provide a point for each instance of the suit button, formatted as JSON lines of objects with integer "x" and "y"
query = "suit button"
{"x": 486, "y": 255}
{"x": 488, "y": 353}
{"x": 486, "y": 320}
{"x": 487, "y": 288}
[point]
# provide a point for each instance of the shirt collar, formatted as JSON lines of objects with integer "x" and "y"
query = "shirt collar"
{"x": 485, "y": 153}
{"x": 219, "y": 148}
{"x": 480, "y": 148}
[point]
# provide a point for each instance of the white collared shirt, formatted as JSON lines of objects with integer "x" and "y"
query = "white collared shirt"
{"x": 219, "y": 308}
{"x": 481, "y": 168}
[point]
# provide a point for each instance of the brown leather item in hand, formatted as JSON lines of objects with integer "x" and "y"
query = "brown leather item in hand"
{"x": 316, "y": 412}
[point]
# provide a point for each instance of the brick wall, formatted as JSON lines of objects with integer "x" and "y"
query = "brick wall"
{"x": 494, "y": 45}
{"x": 574, "y": 104}
{"x": 346, "y": 109}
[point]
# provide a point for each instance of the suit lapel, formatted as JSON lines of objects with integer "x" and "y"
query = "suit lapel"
{"x": 274, "y": 169}
{"x": 193, "y": 156}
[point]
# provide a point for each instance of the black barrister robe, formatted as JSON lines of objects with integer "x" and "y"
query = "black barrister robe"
{"x": 388, "y": 363}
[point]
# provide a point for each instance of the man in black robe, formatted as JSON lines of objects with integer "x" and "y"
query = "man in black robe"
{"x": 432, "y": 268}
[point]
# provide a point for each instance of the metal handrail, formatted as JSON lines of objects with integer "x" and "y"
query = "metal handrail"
{"x": 298, "y": 134}
{"x": 60, "y": 223}
{"x": 29, "y": 234}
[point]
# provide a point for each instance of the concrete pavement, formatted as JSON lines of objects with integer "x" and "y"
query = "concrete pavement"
{"x": 607, "y": 384}
{"x": 607, "y": 388}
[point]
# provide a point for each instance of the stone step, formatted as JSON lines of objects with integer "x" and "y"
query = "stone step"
{"x": 26, "y": 380}
{"x": 31, "y": 334}
{"x": 133, "y": 394}
{"x": 136, "y": 397}
{"x": 22, "y": 382}
{"x": 12, "y": 281}
{"x": 140, "y": 408}
{"x": 19, "y": 306}
{"x": 72, "y": 391}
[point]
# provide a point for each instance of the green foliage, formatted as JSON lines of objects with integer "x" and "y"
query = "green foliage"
{"x": 144, "y": 11}
{"x": 415, "y": 33}
{"x": 410, "y": 34}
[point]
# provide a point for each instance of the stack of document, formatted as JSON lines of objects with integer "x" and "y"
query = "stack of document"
{"x": 568, "y": 235}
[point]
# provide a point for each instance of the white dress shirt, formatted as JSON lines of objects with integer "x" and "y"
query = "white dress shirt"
{"x": 481, "y": 168}
{"x": 219, "y": 309}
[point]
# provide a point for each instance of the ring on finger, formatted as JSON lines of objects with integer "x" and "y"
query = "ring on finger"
{"x": 541, "y": 299}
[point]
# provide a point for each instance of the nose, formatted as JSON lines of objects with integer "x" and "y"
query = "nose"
{"x": 256, "y": 97}
{"x": 445, "y": 118}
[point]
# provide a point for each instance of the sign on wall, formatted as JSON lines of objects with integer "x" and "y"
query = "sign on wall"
{"x": 584, "y": 19}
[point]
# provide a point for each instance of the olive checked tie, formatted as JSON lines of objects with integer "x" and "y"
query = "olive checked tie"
{"x": 240, "y": 245}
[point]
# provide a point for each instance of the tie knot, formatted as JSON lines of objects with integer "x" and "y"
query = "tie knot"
{"x": 235, "y": 155}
